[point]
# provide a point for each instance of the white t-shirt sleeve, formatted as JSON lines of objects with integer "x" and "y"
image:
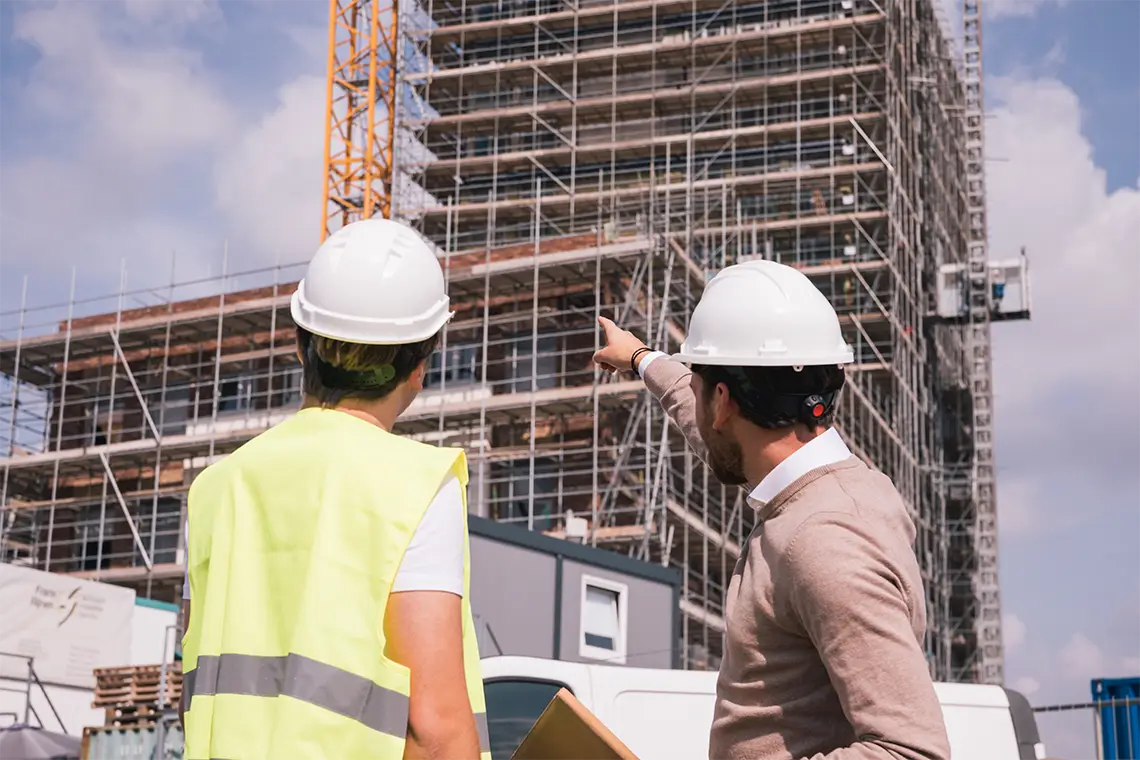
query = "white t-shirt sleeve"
{"x": 434, "y": 560}
{"x": 186, "y": 580}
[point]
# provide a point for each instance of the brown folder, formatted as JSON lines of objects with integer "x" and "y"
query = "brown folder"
{"x": 566, "y": 730}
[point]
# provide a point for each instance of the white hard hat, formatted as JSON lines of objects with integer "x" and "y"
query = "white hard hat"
{"x": 763, "y": 314}
{"x": 376, "y": 282}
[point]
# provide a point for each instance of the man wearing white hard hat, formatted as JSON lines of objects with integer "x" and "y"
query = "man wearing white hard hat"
{"x": 328, "y": 562}
{"x": 825, "y": 612}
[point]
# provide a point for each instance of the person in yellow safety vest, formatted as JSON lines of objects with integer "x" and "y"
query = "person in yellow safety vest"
{"x": 328, "y": 571}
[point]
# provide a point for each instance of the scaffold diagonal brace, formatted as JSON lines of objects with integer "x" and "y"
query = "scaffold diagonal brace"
{"x": 872, "y": 146}
{"x": 126, "y": 512}
{"x": 135, "y": 386}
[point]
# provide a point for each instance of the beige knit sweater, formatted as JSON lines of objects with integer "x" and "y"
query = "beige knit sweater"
{"x": 825, "y": 618}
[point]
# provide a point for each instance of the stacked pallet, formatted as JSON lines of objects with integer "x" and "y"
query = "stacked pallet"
{"x": 130, "y": 695}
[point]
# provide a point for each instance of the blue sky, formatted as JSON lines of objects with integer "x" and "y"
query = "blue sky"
{"x": 131, "y": 131}
{"x": 1069, "y": 495}
{"x": 1093, "y": 46}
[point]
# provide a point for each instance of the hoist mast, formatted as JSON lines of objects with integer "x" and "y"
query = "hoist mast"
{"x": 987, "y": 600}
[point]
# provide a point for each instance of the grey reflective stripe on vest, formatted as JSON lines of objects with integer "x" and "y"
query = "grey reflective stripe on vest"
{"x": 303, "y": 679}
{"x": 484, "y": 732}
{"x": 344, "y": 693}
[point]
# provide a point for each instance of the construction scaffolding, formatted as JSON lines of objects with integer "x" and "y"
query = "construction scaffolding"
{"x": 825, "y": 134}
{"x": 571, "y": 160}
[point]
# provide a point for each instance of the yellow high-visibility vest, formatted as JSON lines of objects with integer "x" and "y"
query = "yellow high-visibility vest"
{"x": 295, "y": 540}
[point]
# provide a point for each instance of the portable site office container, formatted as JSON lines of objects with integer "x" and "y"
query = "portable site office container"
{"x": 539, "y": 596}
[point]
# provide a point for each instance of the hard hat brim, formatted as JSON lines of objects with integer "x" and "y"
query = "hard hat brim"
{"x": 368, "y": 332}
{"x": 722, "y": 360}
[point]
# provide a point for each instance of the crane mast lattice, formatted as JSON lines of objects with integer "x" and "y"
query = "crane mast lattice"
{"x": 360, "y": 111}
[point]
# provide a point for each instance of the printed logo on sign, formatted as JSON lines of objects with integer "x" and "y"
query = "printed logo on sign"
{"x": 66, "y": 625}
{"x": 46, "y": 598}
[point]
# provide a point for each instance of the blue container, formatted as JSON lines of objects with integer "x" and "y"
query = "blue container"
{"x": 1118, "y": 717}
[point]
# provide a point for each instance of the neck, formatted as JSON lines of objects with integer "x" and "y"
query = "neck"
{"x": 769, "y": 448}
{"x": 381, "y": 413}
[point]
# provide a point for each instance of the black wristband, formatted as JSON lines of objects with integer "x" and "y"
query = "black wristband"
{"x": 633, "y": 359}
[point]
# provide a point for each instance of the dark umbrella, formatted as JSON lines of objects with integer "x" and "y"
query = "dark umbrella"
{"x": 31, "y": 743}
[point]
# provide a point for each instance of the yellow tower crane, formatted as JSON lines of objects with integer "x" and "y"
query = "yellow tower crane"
{"x": 360, "y": 111}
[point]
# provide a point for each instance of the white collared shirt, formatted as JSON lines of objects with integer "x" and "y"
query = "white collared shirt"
{"x": 826, "y": 449}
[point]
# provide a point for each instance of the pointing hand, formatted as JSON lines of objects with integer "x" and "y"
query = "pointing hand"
{"x": 619, "y": 347}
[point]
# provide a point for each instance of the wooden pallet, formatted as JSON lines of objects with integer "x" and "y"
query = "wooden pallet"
{"x": 134, "y": 691}
{"x": 130, "y": 714}
{"x": 128, "y": 697}
{"x": 137, "y": 672}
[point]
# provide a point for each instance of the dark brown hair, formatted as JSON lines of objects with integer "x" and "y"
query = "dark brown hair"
{"x": 770, "y": 397}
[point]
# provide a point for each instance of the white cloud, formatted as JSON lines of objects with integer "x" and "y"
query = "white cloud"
{"x": 1017, "y": 506}
{"x": 1065, "y": 475}
{"x": 137, "y": 104}
{"x": 110, "y": 116}
{"x": 1082, "y": 658}
{"x": 1056, "y": 56}
{"x": 1083, "y": 341}
{"x": 1051, "y": 197}
{"x": 1027, "y": 685}
{"x": 172, "y": 15}
{"x": 270, "y": 181}
{"x": 996, "y": 9}
{"x": 1013, "y": 631}
{"x": 312, "y": 43}
{"x": 124, "y": 126}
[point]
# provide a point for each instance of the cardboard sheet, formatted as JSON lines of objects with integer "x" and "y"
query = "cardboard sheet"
{"x": 566, "y": 730}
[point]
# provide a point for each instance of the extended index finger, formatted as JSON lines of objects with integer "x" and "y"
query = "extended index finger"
{"x": 608, "y": 325}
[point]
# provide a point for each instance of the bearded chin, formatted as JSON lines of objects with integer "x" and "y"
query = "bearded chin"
{"x": 724, "y": 459}
{"x": 727, "y": 476}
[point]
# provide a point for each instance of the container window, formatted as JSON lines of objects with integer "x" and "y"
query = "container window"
{"x": 603, "y": 620}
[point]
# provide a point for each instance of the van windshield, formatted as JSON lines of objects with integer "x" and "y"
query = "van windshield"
{"x": 513, "y": 706}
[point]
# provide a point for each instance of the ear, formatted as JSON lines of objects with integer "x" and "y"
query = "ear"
{"x": 723, "y": 407}
{"x": 416, "y": 379}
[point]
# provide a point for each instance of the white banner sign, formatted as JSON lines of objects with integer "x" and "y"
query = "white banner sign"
{"x": 69, "y": 626}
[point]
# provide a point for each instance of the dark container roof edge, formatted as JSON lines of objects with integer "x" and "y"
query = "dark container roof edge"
{"x": 587, "y": 555}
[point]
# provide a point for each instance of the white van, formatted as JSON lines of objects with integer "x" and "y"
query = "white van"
{"x": 666, "y": 714}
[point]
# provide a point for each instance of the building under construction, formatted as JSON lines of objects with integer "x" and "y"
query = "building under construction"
{"x": 572, "y": 160}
